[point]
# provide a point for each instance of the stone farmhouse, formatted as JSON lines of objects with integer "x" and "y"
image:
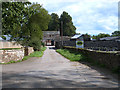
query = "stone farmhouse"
{"x": 49, "y": 37}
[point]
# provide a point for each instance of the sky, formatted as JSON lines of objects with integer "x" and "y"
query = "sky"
{"x": 88, "y": 16}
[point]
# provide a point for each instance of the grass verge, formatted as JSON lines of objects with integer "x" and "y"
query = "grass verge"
{"x": 34, "y": 54}
{"x": 72, "y": 55}
{"x": 77, "y": 56}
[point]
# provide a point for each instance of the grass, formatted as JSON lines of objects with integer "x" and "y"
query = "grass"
{"x": 34, "y": 54}
{"x": 77, "y": 56}
{"x": 72, "y": 55}
{"x": 9, "y": 48}
{"x": 38, "y": 53}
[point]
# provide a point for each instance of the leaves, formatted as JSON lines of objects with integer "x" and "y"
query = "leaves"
{"x": 24, "y": 22}
{"x": 68, "y": 27}
{"x": 116, "y": 33}
{"x": 54, "y": 22}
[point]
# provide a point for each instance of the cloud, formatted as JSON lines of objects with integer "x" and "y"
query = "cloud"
{"x": 89, "y": 16}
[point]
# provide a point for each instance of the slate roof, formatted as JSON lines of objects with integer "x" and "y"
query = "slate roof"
{"x": 111, "y": 38}
{"x": 75, "y": 36}
{"x": 51, "y": 32}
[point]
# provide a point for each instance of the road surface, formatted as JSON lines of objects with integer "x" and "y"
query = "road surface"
{"x": 54, "y": 71}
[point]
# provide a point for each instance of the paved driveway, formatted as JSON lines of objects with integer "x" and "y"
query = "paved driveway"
{"x": 54, "y": 71}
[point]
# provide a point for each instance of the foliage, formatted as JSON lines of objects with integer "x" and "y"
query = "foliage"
{"x": 13, "y": 16}
{"x": 86, "y": 37}
{"x": 68, "y": 27}
{"x": 100, "y": 35}
{"x": 43, "y": 44}
{"x": 38, "y": 22}
{"x": 25, "y": 22}
{"x": 116, "y": 33}
{"x": 3, "y": 37}
{"x": 54, "y": 22}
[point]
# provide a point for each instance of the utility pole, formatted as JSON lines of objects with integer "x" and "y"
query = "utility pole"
{"x": 62, "y": 32}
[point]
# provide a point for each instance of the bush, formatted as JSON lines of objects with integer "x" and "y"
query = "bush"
{"x": 43, "y": 44}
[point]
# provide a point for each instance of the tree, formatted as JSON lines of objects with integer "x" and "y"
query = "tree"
{"x": 32, "y": 31}
{"x": 54, "y": 22}
{"x": 116, "y": 33}
{"x": 86, "y": 37}
{"x": 13, "y": 16}
{"x": 68, "y": 27}
{"x": 25, "y": 26}
{"x": 100, "y": 35}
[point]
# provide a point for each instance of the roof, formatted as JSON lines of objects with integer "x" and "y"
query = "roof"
{"x": 7, "y": 37}
{"x": 110, "y": 38}
{"x": 51, "y": 32}
{"x": 75, "y": 36}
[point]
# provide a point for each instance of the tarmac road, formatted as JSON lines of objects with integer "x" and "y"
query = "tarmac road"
{"x": 54, "y": 71}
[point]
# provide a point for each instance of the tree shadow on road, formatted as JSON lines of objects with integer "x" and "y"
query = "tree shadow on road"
{"x": 48, "y": 79}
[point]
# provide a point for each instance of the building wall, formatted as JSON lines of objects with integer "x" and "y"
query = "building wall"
{"x": 8, "y": 44}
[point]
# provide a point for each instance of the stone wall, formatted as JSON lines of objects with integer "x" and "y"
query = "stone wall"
{"x": 28, "y": 50}
{"x": 14, "y": 55}
{"x": 11, "y": 55}
{"x": 111, "y": 60}
{"x": 102, "y": 45}
{"x": 8, "y": 44}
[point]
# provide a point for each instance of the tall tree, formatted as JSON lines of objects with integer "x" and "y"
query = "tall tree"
{"x": 116, "y": 33}
{"x": 32, "y": 31}
{"x": 25, "y": 23}
{"x": 68, "y": 27}
{"x": 54, "y": 22}
{"x": 13, "y": 16}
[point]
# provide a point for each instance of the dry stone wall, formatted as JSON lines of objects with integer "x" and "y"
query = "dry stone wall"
{"x": 11, "y": 55}
{"x": 14, "y": 55}
{"x": 103, "y": 45}
{"x": 110, "y": 60}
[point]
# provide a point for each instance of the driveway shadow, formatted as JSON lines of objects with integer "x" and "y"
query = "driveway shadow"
{"x": 48, "y": 79}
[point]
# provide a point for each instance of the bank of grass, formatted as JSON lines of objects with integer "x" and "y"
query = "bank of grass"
{"x": 72, "y": 55}
{"x": 77, "y": 56}
{"x": 34, "y": 54}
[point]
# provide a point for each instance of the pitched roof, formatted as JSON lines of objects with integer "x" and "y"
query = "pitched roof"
{"x": 75, "y": 36}
{"x": 51, "y": 32}
{"x": 110, "y": 38}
